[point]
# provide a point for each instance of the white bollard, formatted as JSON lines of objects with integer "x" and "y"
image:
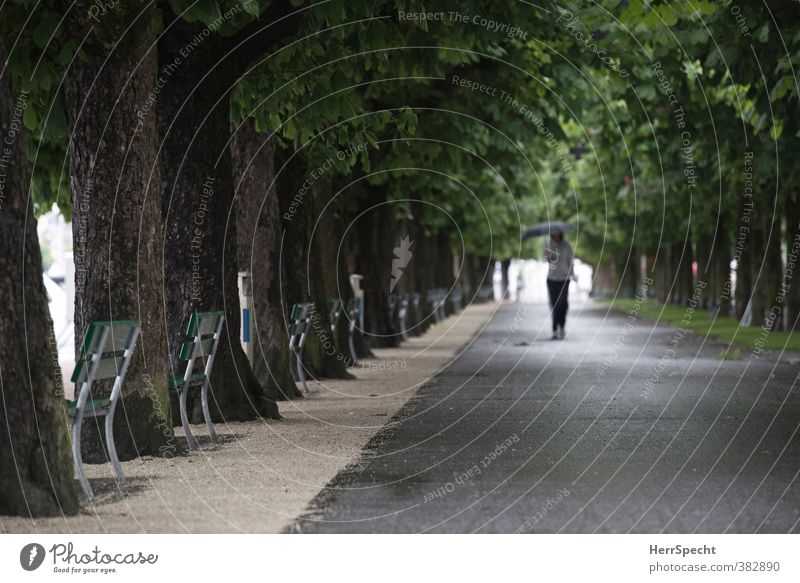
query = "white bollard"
{"x": 355, "y": 283}
{"x": 246, "y": 305}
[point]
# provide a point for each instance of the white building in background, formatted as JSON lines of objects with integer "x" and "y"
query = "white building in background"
{"x": 55, "y": 239}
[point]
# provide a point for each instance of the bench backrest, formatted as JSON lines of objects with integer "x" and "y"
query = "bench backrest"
{"x": 103, "y": 352}
{"x": 334, "y": 310}
{"x": 436, "y": 295}
{"x": 353, "y": 308}
{"x": 201, "y": 335}
{"x": 299, "y": 318}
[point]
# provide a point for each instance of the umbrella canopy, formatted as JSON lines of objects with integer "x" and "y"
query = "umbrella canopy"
{"x": 546, "y": 229}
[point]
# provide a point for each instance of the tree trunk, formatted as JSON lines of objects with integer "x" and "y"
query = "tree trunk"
{"x": 420, "y": 272}
{"x": 704, "y": 255}
{"x": 258, "y": 251}
{"x": 444, "y": 267}
{"x": 36, "y": 464}
{"x": 310, "y": 276}
{"x": 504, "y": 291}
{"x": 201, "y": 268}
{"x": 769, "y": 271}
{"x": 629, "y": 275}
{"x": 331, "y": 350}
{"x": 115, "y": 187}
{"x": 375, "y": 231}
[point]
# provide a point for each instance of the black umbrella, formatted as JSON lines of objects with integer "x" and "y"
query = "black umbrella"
{"x": 546, "y": 229}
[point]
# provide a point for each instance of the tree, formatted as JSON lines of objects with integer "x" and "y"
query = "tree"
{"x": 36, "y": 473}
{"x": 258, "y": 251}
{"x": 201, "y": 267}
{"x": 117, "y": 235}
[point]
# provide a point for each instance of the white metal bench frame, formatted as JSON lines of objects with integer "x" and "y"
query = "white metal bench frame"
{"x": 298, "y": 329}
{"x": 101, "y": 338}
{"x": 203, "y": 335}
{"x": 353, "y": 314}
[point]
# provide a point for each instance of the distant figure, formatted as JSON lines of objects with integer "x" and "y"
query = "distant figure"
{"x": 558, "y": 253}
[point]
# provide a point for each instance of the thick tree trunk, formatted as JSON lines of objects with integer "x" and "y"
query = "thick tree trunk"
{"x": 351, "y": 245}
{"x": 476, "y": 274}
{"x": 704, "y": 256}
{"x": 115, "y": 184}
{"x": 308, "y": 263}
{"x": 443, "y": 261}
{"x": 663, "y": 275}
{"x": 35, "y": 464}
{"x": 504, "y": 290}
{"x": 201, "y": 267}
{"x": 721, "y": 291}
{"x": 629, "y": 275}
{"x": 376, "y": 231}
{"x": 744, "y": 259}
{"x": 420, "y": 272}
{"x": 330, "y": 350}
{"x": 258, "y": 251}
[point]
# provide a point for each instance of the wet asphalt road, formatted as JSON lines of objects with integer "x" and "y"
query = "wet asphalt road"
{"x": 615, "y": 429}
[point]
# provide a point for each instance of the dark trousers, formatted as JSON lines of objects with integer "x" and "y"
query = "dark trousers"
{"x": 558, "y": 291}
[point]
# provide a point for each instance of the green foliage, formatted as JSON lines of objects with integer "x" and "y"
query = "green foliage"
{"x": 576, "y": 140}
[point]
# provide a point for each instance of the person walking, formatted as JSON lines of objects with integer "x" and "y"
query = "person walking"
{"x": 559, "y": 254}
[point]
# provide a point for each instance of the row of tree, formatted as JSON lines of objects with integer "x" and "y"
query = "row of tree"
{"x": 303, "y": 141}
{"x": 687, "y": 180}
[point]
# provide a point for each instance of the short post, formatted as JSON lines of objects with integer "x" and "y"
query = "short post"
{"x": 358, "y": 292}
{"x": 246, "y": 303}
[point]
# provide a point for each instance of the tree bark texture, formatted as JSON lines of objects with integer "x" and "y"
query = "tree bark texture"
{"x": 117, "y": 236}
{"x": 201, "y": 267}
{"x": 258, "y": 251}
{"x": 36, "y": 475}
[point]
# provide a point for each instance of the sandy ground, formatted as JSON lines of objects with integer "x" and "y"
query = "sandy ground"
{"x": 263, "y": 474}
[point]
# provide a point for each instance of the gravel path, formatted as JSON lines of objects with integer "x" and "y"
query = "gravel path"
{"x": 264, "y": 474}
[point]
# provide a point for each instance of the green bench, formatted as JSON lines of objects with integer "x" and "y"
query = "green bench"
{"x": 353, "y": 314}
{"x": 402, "y": 315}
{"x": 437, "y": 298}
{"x": 202, "y": 340}
{"x": 299, "y": 322}
{"x": 105, "y": 354}
{"x": 334, "y": 312}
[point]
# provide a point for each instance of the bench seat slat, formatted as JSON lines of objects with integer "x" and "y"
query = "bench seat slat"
{"x": 176, "y": 382}
{"x": 120, "y": 335}
{"x": 207, "y": 320}
{"x": 91, "y": 405}
{"x": 205, "y": 348}
{"x": 108, "y": 367}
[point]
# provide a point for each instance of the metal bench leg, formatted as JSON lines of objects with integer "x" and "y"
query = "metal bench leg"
{"x": 185, "y": 418}
{"x": 351, "y": 341}
{"x": 300, "y": 372}
{"x": 112, "y": 448}
{"x": 206, "y": 413}
{"x": 77, "y": 423}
